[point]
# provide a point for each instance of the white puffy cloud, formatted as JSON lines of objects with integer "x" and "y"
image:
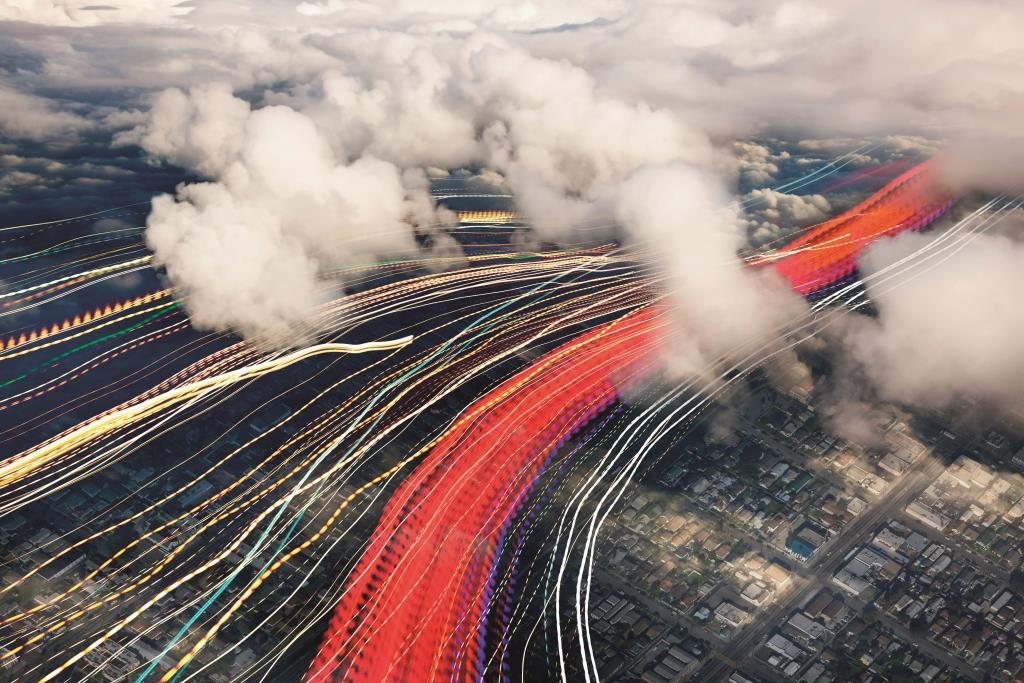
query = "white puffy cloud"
{"x": 727, "y": 65}
{"x": 564, "y": 147}
{"x": 202, "y": 130}
{"x": 12, "y": 180}
{"x": 757, "y": 164}
{"x": 944, "y": 330}
{"x": 246, "y": 249}
{"x": 788, "y": 209}
{"x": 232, "y": 261}
{"x": 725, "y": 309}
{"x": 770, "y": 213}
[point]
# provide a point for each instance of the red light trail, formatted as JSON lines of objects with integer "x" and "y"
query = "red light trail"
{"x": 415, "y": 606}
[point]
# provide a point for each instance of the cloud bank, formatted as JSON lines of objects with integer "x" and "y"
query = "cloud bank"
{"x": 313, "y": 124}
{"x": 333, "y": 171}
{"x": 90, "y": 12}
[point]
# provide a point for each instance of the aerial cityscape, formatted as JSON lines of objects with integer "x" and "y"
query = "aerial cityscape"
{"x": 599, "y": 340}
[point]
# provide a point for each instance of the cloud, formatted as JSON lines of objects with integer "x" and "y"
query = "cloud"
{"x": 770, "y": 213}
{"x": 564, "y": 147}
{"x": 280, "y": 104}
{"x": 334, "y": 166}
{"x": 726, "y": 66}
{"x": 13, "y": 180}
{"x": 246, "y": 249}
{"x": 945, "y": 331}
{"x": 89, "y": 13}
{"x": 201, "y": 130}
{"x": 26, "y": 116}
{"x": 757, "y": 164}
{"x": 725, "y": 309}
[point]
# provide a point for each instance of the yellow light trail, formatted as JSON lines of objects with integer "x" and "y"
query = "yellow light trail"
{"x": 83, "y": 275}
{"x": 15, "y": 469}
{"x": 327, "y": 432}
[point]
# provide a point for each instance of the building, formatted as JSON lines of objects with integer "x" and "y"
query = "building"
{"x": 807, "y": 628}
{"x": 819, "y": 602}
{"x": 729, "y": 614}
{"x": 737, "y": 677}
{"x": 755, "y": 593}
{"x": 784, "y": 646}
{"x": 888, "y": 541}
{"x": 855, "y": 577}
{"x": 926, "y": 515}
{"x": 895, "y": 466}
{"x": 777, "y": 574}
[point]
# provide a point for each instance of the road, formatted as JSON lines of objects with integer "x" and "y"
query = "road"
{"x": 923, "y": 644}
{"x": 950, "y": 541}
{"x": 665, "y": 613}
{"x": 817, "y": 572}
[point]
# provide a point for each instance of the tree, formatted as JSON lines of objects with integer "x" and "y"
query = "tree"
{"x": 843, "y": 667}
{"x": 870, "y": 613}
